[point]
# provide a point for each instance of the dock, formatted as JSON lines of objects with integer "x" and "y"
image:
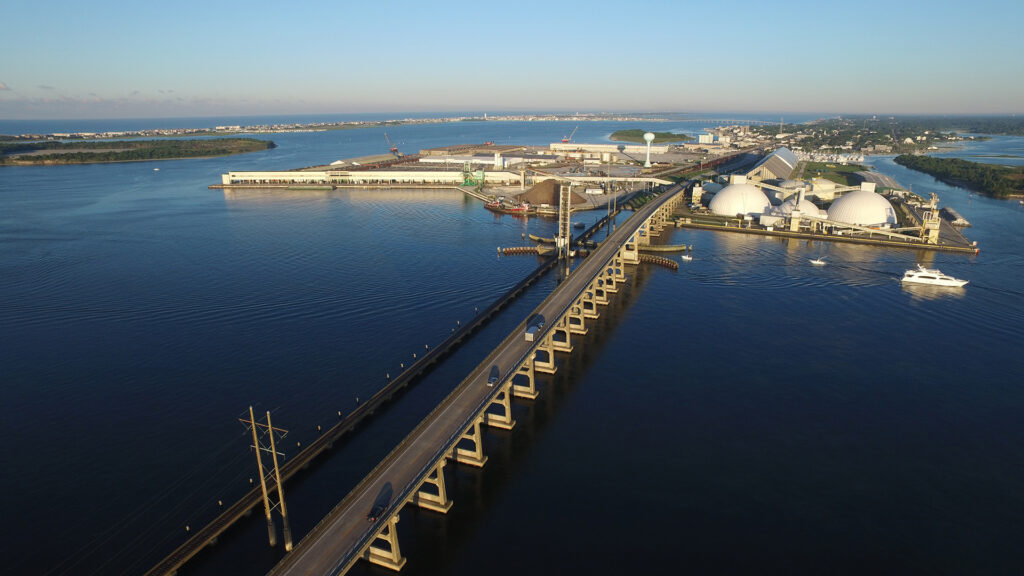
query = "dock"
{"x": 960, "y": 248}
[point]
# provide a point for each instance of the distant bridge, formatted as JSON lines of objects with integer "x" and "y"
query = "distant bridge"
{"x": 725, "y": 121}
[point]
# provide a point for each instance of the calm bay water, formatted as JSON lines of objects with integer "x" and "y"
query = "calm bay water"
{"x": 748, "y": 412}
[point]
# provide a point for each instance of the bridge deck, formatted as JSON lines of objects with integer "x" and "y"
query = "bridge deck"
{"x": 337, "y": 541}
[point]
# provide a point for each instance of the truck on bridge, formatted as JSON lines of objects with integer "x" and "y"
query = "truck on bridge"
{"x": 534, "y": 326}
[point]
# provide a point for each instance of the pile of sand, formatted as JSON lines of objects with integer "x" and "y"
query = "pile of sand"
{"x": 546, "y": 192}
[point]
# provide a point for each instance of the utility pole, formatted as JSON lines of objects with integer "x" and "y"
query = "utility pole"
{"x": 280, "y": 491}
{"x": 564, "y": 224}
{"x": 258, "y": 444}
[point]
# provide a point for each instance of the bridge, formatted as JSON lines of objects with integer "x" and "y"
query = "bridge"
{"x": 413, "y": 473}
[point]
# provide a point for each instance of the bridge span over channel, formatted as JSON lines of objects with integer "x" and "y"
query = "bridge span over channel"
{"x": 413, "y": 473}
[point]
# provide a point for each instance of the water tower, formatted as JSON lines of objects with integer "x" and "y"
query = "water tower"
{"x": 648, "y": 137}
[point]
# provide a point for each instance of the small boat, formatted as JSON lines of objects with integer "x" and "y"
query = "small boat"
{"x": 579, "y": 225}
{"x": 686, "y": 257}
{"x": 156, "y": 169}
{"x": 818, "y": 261}
{"x": 502, "y": 207}
{"x": 932, "y": 277}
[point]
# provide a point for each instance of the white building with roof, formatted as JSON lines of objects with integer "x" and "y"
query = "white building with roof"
{"x": 779, "y": 165}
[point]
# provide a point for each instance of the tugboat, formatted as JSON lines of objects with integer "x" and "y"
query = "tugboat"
{"x": 503, "y": 206}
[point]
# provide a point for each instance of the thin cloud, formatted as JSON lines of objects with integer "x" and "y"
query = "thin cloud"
{"x": 45, "y": 87}
{"x": 4, "y": 87}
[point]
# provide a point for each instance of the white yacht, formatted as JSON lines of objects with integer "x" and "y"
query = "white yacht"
{"x": 931, "y": 276}
{"x": 818, "y": 261}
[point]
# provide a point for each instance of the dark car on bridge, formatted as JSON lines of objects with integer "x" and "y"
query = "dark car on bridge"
{"x": 492, "y": 379}
{"x": 375, "y": 513}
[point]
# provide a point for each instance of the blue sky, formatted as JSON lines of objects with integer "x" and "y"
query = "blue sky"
{"x": 186, "y": 58}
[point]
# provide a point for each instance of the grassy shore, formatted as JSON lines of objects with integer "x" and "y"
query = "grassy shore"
{"x": 50, "y": 153}
{"x": 637, "y": 135}
{"x": 839, "y": 173}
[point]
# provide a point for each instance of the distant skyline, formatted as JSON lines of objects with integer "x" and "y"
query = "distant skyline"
{"x": 122, "y": 59}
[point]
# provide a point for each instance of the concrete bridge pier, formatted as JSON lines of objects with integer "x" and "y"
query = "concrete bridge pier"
{"x": 589, "y": 305}
{"x": 474, "y": 456}
{"x": 642, "y": 235}
{"x": 503, "y": 401}
{"x": 654, "y": 225}
{"x": 564, "y": 341}
{"x": 607, "y": 281}
{"x": 389, "y": 557}
{"x": 547, "y": 346}
{"x": 618, "y": 268}
{"x": 574, "y": 319}
{"x": 629, "y": 253}
{"x": 600, "y": 296}
{"x": 438, "y": 502}
{"x": 529, "y": 390}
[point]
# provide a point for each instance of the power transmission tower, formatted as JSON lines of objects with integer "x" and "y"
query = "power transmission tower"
{"x": 564, "y": 220}
{"x": 263, "y": 441}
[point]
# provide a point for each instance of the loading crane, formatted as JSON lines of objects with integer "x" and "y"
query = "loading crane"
{"x": 394, "y": 149}
{"x": 567, "y": 139}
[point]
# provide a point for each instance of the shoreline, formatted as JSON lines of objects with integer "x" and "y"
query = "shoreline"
{"x": 63, "y": 153}
{"x": 322, "y": 126}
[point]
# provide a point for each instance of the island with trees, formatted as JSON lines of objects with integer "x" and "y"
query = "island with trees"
{"x": 637, "y": 135}
{"x": 58, "y": 152}
{"x": 989, "y": 179}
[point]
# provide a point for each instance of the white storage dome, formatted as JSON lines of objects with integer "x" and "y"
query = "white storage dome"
{"x": 805, "y": 207}
{"x": 739, "y": 198}
{"x": 863, "y": 208}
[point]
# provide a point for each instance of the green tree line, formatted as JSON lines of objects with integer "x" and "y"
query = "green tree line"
{"x": 989, "y": 179}
{"x": 126, "y": 150}
{"x": 637, "y": 135}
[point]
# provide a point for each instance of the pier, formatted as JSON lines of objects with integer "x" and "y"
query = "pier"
{"x": 963, "y": 249}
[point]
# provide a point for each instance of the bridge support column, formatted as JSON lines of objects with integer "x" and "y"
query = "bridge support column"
{"x": 437, "y": 502}
{"x": 390, "y": 557}
{"x": 654, "y": 224}
{"x": 608, "y": 281}
{"x": 547, "y": 346}
{"x": 503, "y": 400}
{"x": 529, "y": 390}
{"x": 589, "y": 304}
{"x": 562, "y": 327}
{"x": 629, "y": 252}
{"x": 574, "y": 319}
{"x": 620, "y": 269}
{"x": 643, "y": 233}
{"x": 474, "y": 457}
